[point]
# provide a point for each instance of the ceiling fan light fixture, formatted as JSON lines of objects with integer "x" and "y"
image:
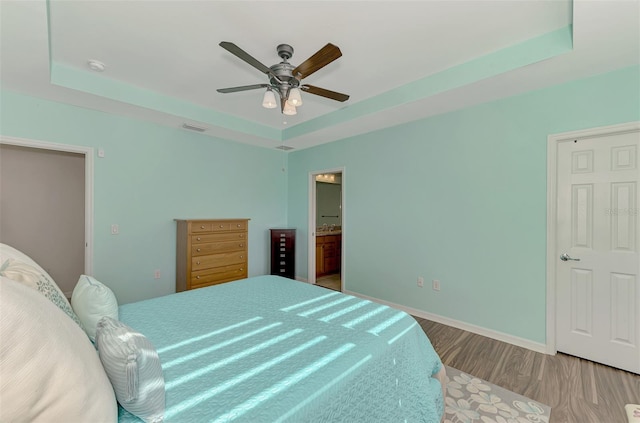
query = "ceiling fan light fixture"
{"x": 269, "y": 100}
{"x": 294, "y": 97}
{"x": 289, "y": 109}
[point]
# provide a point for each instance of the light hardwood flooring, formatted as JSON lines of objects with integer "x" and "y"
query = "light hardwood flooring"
{"x": 330, "y": 281}
{"x": 577, "y": 390}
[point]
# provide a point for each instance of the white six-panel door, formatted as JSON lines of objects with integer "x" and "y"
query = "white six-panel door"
{"x": 598, "y": 230}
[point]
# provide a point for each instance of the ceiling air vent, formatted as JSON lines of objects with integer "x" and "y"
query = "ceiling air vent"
{"x": 193, "y": 128}
{"x": 284, "y": 147}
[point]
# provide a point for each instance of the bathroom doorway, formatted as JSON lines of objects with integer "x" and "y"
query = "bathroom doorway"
{"x": 326, "y": 226}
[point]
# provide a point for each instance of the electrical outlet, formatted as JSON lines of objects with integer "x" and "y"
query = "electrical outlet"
{"x": 115, "y": 229}
{"x": 436, "y": 285}
{"x": 156, "y": 274}
{"x": 420, "y": 281}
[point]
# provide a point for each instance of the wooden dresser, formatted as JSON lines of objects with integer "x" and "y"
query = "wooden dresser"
{"x": 210, "y": 252}
{"x": 283, "y": 252}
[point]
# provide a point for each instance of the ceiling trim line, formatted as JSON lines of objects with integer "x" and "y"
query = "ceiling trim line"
{"x": 534, "y": 50}
{"x": 85, "y": 81}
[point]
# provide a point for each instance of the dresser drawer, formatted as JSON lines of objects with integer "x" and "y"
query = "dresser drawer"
{"x": 229, "y": 225}
{"x": 230, "y": 236}
{"x": 238, "y": 225}
{"x": 282, "y": 255}
{"x": 219, "y": 237}
{"x": 283, "y": 243}
{"x": 203, "y": 226}
{"x": 218, "y": 275}
{"x": 217, "y": 260}
{"x": 284, "y": 269}
{"x": 218, "y": 247}
{"x": 288, "y": 262}
{"x": 289, "y": 234}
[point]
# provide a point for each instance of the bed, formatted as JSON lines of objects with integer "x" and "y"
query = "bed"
{"x": 268, "y": 349}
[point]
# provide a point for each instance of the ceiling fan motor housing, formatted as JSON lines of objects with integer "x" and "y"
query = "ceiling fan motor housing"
{"x": 285, "y": 51}
{"x": 283, "y": 71}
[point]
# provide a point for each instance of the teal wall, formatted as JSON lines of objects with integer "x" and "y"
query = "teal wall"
{"x": 151, "y": 175}
{"x": 459, "y": 197}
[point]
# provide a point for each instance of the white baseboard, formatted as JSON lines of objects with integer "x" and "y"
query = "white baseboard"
{"x": 479, "y": 330}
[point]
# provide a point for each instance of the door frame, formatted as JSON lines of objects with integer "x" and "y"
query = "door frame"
{"x": 88, "y": 153}
{"x": 553, "y": 141}
{"x": 311, "y": 224}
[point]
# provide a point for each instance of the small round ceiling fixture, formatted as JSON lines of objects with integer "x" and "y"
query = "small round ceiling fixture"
{"x": 96, "y": 65}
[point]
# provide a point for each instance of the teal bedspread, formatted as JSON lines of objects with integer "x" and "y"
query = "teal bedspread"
{"x": 270, "y": 349}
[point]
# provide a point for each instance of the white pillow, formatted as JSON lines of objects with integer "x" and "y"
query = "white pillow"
{"x": 134, "y": 369}
{"x": 50, "y": 371}
{"x": 92, "y": 300}
{"x": 36, "y": 278}
{"x": 7, "y": 252}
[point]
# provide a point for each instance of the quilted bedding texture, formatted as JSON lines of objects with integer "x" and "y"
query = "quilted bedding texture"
{"x": 268, "y": 349}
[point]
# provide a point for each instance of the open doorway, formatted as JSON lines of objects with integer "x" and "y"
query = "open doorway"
{"x": 326, "y": 226}
{"x": 47, "y": 206}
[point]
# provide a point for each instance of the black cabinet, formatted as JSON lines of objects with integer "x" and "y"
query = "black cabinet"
{"x": 283, "y": 252}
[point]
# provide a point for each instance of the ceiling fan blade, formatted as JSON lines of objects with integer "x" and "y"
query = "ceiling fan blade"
{"x": 324, "y": 93}
{"x": 242, "y": 88}
{"x": 240, "y": 53}
{"x": 320, "y": 59}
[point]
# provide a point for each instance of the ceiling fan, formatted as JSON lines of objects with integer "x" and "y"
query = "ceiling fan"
{"x": 285, "y": 79}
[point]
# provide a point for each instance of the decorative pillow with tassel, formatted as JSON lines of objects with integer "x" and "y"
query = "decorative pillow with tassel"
{"x": 133, "y": 367}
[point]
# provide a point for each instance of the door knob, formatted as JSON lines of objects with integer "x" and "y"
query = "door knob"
{"x": 567, "y": 257}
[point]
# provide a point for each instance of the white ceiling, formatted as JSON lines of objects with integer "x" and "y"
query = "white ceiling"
{"x": 169, "y": 50}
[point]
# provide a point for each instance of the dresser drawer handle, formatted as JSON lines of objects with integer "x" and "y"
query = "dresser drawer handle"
{"x": 198, "y": 239}
{"x": 197, "y": 262}
{"x": 222, "y": 226}
{"x": 241, "y": 235}
{"x": 241, "y": 269}
{"x": 201, "y": 226}
{"x": 197, "y": 277}
{"x": 241, "y": 257}
{"x": 198, "y": 249}
{"x": 240, "y": 245}
{"x": 238, "y": 225}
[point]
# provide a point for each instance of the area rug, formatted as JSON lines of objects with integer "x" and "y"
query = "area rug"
{"x": 470, "y": 400}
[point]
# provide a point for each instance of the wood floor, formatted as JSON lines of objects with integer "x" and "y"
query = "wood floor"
{"x": 577, "y": 390}
{"x": 330, "y": 281}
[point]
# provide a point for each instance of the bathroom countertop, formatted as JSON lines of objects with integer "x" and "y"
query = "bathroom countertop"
{"x": 325, "y": 233}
